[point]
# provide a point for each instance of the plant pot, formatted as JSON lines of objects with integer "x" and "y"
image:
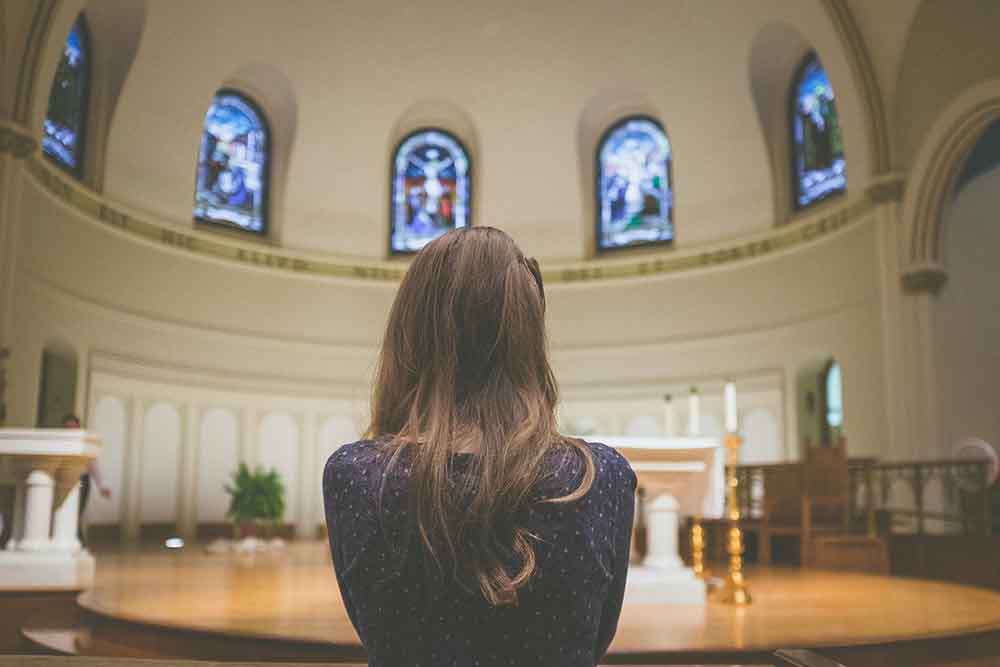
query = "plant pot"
{"x": 245, "y": 529}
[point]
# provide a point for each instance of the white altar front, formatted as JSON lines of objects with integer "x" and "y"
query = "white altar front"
{"x": 681, "y": 477}
{"x": 44, "y": 466}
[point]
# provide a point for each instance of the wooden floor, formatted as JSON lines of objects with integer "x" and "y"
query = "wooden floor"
{"x": 293, "y": 596}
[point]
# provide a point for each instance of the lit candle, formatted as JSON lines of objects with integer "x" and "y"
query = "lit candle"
{"x": 668, "y": 416}
{"x": 731, "y": 420}
{"x": 694, "y": 417}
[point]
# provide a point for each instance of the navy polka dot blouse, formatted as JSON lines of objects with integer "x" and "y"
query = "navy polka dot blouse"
{"x": 565, "y": 616}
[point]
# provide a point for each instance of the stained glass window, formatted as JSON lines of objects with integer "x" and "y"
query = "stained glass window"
{"x": 833, "y": 395}
{"x": 65, "y": 124}
{"x": 231, "y": 184}
{"x": 431, "y": 187}
{"x": 818, "y": 167}
{"x": 634, "y": 193}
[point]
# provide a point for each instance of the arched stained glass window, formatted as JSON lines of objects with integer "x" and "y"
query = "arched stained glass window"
{"x": 634, "y": 191}
{"x": 431, "y": 188}
{"x": 833, "y": 403}
{"x": 818, "y": 167}
{"x": 65, "y": 125}
{"x": 232, "y": 180}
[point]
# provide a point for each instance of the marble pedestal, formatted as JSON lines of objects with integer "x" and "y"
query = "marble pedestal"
{"x": 44, "y": 466}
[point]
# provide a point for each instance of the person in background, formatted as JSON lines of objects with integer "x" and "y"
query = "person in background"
{"x": 466, "y": 530}
{"x": 93, "y": 473}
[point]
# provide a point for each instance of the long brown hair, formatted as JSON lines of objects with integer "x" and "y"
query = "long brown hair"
{"x": 464, "y": 368}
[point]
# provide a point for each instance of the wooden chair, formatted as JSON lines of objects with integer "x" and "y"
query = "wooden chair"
{"x": 811, "y": 501}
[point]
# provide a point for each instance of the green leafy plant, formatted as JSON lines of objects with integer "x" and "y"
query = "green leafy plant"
{"x": 255, "y": 496}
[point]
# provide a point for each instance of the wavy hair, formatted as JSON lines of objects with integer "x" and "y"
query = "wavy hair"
{"x": 464, "y": 369}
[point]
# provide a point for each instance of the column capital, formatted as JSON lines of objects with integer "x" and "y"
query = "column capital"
{"x": 16, "y": 140}
{"x": 923, "y": 278}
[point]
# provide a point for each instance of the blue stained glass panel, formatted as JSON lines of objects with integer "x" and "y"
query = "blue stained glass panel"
{"x": 634, "y": 192}
{"x": 818, "y": 166}
{"x": 834, "y": 397}
{"x": 431, "y": 186}
{"x": 231, "y": 184}
{"x": 65, "y": 119}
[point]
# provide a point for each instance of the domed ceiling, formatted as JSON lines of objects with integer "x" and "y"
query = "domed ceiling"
{"x": 527, "y": 87}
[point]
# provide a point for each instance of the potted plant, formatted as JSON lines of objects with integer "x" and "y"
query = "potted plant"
{"x": 256, "y": 500}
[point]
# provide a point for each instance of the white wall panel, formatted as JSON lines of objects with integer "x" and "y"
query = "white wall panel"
{"x": 279, "y": 449}
{"x": 109, "y": 419}
{"x": 160, "y": 461}
{"x": 218, "y": 456}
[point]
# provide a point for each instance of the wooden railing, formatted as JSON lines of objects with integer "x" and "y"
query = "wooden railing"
{"x": 899, "y": 493}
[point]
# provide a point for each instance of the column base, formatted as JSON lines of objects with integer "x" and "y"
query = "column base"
{"x": 26, "y": 571}
{"x": 648, "y": 584}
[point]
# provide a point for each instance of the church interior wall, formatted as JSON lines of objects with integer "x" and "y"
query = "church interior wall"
{"x": 966, "y": 324}
{"x": 951, "y": 47}
{"x": 192, "y": 321}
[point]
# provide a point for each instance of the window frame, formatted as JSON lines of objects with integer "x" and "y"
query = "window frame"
{"x": 793, "y": 97}
{"x": 265, "y": 206}
{"x": 599, "y": 249}
{"x": 77, "y": 172}
{"x": 470, "y": 175}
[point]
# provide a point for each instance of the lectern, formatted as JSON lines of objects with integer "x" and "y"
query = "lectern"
{"x": 44, "y": 466}
{"x": 680, "y": 476}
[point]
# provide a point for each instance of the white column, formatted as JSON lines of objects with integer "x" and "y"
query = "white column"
{"x": 39, "y": 492}
{"x": 661, "y": 533}
{"x": 64, "y": 522}
{"x": 131, "y": 517}
{"x": 187, "y": 499}
{"x": 18, "y": 517}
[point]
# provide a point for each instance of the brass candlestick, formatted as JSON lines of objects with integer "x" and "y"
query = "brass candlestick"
{"x": 698, "y": 548}
{"x": 735, "y": 590}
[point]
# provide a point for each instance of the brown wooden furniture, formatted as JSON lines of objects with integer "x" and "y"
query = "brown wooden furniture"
{"x": 811, "y": 501}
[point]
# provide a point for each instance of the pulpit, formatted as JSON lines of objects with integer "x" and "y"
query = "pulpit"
{"x": 681, "y": 476}
{"x": 44, "y": 467}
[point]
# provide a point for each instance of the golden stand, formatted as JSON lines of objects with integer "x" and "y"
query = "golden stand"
{"x": 698, "y": 548}
{"x": 734, "y": 591}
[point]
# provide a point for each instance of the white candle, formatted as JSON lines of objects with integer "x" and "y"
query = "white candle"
{"x": 694, "y": 416}
{"x": 668, "y": 416}
{"x": 731, "y": 420}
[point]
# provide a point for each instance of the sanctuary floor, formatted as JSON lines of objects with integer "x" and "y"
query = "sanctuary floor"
{"x": 292, "y": 596}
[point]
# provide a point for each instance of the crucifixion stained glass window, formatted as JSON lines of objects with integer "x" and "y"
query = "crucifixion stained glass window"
{"x": 431, "y": 188}
{"x": 232, "y": 179}
{"x": 634, "y": 191}
{"x": 818, "y": 167}
{"x": 65, "y": 125}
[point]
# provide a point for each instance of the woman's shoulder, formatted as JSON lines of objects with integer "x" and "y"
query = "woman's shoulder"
{"x": 350, "y": 464}
{"x": 610, "y": 466}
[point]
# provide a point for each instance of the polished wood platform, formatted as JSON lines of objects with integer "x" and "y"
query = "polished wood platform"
{"x": 291, "y": 597}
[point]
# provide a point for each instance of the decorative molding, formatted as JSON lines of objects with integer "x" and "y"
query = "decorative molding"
{"x": 216, "y": 246}
{"x": 41, "y": 21}
{"x": 890, "y": 188}
{"x": 857, "y": 55}
{"x": 927, "y": 278}
{"x": 17, "y": 141}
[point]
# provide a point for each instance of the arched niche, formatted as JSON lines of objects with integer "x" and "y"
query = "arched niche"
{"x": 601, "y": 112}
{"x": 278, "y": 441}
{"x": 820, "y": 402}
{"x": 273, "y": 92}
{"x": 116, "y": 28}
{"x": 761, "y": 438}
{"x": 443, "y": 114}
{"x": 57, "y": 377}
{"x": 160, "y": 466}
{"x": 218, "y": 454}
{"x": 110, "y": 419}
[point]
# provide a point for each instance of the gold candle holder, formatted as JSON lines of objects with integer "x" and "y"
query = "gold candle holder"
{"x": 698, "y": 548}
{"x": 734, "y": 591}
